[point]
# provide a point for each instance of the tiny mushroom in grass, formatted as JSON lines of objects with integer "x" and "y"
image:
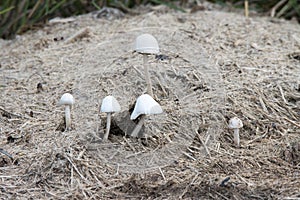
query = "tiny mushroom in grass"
{"x": 67, "y": 100}
{"x": 145, "y": 105}
{"x": 235, "y": 123}
{"x": 146, "y": 44}
{"x": 109, "y": 105}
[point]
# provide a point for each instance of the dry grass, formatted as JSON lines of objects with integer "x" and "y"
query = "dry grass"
{"x": 217, "y": 68}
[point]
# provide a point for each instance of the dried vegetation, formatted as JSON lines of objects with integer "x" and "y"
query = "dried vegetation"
{"x": 213, "y": 66}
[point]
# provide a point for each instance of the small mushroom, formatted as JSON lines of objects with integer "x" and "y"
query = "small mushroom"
{"x": 109, "y": 105}
{"x": 67, "y": 100}
{"x": 235, "y": 123}
{"x": 145, "y": 105}
{"x": 146, "y": 44}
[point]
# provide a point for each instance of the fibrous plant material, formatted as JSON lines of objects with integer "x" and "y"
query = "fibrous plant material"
{"x": 172, "y": 163}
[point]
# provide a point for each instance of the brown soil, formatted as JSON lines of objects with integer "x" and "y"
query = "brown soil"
{"x": 213, "y": 66}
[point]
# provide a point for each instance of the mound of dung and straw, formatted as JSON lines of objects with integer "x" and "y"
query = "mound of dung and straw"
{"x": 212, "y": 66}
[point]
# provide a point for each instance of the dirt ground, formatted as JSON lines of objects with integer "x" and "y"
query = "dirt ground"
{"x": 213, "y": 65}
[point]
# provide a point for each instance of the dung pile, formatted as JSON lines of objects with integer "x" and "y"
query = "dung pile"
{"x": 212, "y": 66}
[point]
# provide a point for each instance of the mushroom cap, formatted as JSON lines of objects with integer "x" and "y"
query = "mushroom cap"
{"x": 110, "y": 105}
{"x": 146, "y": 44}
{"x": 145, "y": 105}
{"x": 235, "y": 122}
{"x": 66, "y": 99}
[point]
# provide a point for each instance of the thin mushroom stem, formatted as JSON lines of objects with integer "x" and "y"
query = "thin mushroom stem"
{"x": 147, "y": 75}
{"x": 236, "y": 137}
{"x": 108, "y": 122}
{"x": 138, "y": 127}
{"x": 68, "y": 117}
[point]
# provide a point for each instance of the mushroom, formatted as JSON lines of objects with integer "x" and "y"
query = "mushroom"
{"x": 145, "y": 105}
{"x": 109, "y": 105}
{"x": 67, "y": 100}
{"x": 235, "y": 123}
{"x": 146, "y": 44}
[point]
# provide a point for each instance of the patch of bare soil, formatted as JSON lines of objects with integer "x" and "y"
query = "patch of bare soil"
{"x": 212, "y": 66}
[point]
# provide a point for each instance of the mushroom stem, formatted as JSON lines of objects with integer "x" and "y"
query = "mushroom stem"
{"x": 147, "y": 75}
{"x": 68, "y": 117}
{"x": 236, "y": 137}
{"x": 108, "y": 122}
{"x": 138, "y": 127}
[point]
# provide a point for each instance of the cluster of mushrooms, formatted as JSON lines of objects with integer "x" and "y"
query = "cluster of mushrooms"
{"x": 146, "y": 45}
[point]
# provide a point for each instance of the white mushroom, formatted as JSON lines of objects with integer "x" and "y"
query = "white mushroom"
{"x": 145, "y": 105}
{"x": 109, "y": 105}
{"x": 235, "y": 123}
{"x": 67, "y": 100}
{"x": 146, "y": 44}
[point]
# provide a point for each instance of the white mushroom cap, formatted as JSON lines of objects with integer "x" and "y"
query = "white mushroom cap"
{"x": 146, "y": 44}
{"x": 66, "y": 99}
{"x": 110, "y": 104}
{"x": 146, "y": 105}
{"x": 235, "y": 122}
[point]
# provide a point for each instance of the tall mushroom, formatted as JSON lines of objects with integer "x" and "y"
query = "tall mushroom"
{"x": 146, "y": 44}
{"x": 109, "y": 105}
{"x": 145, "y": 105}
{"x": 235, "y": 123}
{"x": 67, "y": 100}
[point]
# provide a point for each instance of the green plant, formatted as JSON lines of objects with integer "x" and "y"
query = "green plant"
{"x": 283, "y": 8}
{"x": 17, "y": 16}
{"x": 288, "y": 9}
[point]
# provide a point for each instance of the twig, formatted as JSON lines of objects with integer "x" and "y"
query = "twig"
{"x": 72, "y": 177}
{"x": 5, "y": 153}
{"x": 246, "y": 8}
{"x": 113, "y": 155}
{"x": 263, "y": 105}
{"x": 52, "y": 194}
{"x": 204, "y": 145}
{"x": 128, "y": 143}
{"x": 162, "y": 174}
{"x": 161, "y": 86}
{"x": 80, "y": 34}
{"x": 138, "y": 71}
{"x": 188, "y": 155}
{"x": 221, "y": 195}
{"x": 258, "y": 138}
{"x": 99, "y": 182}
{"x": 242, "y": 179}
{"x": 118, "y": 168}
{"x": 282, "y": 95}
{"x": 294, "y": 123}
{"x": 74, "y": 166}
{"x": 134, "y": 154}
{"x": 187, "y": 187}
